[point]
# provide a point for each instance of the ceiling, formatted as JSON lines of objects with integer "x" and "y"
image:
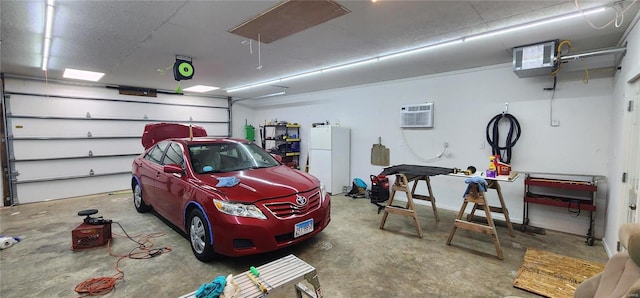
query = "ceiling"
{"x": 133, "y": 42}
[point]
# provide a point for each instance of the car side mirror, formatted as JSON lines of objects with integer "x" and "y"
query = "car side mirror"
{"x": 277, "y": 157}
{"x": 172, "y": 169}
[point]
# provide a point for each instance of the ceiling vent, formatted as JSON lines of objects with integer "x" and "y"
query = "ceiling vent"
{"x": 417, "y": 116}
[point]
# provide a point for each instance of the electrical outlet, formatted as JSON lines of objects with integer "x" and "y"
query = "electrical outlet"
{"x": 555, "y": 123}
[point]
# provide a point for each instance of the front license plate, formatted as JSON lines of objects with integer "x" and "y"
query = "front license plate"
{"x": 303, "y": 228}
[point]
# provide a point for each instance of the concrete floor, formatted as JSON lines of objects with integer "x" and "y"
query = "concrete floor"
{"x": 354, "y": 258}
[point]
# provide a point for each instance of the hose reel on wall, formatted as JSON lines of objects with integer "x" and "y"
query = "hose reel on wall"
{"x": 493, "y": 135}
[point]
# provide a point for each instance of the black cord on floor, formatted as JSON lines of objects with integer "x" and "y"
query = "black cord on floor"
{"x": 145, "y": 248}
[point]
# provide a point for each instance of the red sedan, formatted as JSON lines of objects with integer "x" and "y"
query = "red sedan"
{"x": 228, "y": 195}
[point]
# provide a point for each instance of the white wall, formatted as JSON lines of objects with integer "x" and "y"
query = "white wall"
{"x": 240, "y": 114}
{"x": 464, "y": 103}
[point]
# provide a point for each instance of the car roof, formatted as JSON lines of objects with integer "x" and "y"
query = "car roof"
{"x": 207, "y": 140}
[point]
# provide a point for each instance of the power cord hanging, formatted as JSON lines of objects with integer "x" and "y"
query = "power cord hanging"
{"x": 619, "y": 15}
{"x": 444, "y": 151}
{"x": 559, "y": 50}
{"x": 576, "y": 212}
{"x": 494, "y": 138}
{"x": 558, "y": 62}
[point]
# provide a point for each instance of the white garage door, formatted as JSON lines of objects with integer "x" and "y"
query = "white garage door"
{"x": 66, "y": 141}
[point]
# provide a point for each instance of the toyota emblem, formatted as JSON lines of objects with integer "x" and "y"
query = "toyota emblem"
{"x": 301, "y": 200}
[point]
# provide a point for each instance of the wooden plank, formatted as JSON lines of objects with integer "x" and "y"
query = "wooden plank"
{"x": 287, "y": 18}
{"x": 474, "y": 227}
{"x": 398, "y": 210}
{"x": 553, "y": 275}
{"x": 493, "y": 209}
{"x": 423, "y": 197}
{"x": 475, "y": 200}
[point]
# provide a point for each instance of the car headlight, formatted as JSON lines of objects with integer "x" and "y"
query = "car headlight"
{"x": 238, "y": 209}
{"x": 323, "y": 191}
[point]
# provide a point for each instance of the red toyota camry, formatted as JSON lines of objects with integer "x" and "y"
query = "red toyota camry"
{"x": 228, "y": 195}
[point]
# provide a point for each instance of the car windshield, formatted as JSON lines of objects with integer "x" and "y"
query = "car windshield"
{"x": 228, "y": 157}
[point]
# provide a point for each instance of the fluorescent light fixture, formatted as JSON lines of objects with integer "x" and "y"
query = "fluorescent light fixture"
{"x": 252, "y": 86}
{"x": 428, "y": 47}
{"x": 49, "y": 19}
{"x": 200, "y": 88}
{"x": 47, "y": 49}
{"x": 535, "y": 24}
{"x": 283, "y": 92}
{"x": 421, "y": 49}
{"x": 48, "y": 29}
{"x": 45, "y": 61}
{"x": 306, "y": 74}
{"x": 348, "y": 65}
{"x": 85, "y": 75}
{"x": 302, "y": 75}
{"x": 272, "y": 94}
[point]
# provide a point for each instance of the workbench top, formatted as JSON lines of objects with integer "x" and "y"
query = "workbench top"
{"x": 507, "y": 178}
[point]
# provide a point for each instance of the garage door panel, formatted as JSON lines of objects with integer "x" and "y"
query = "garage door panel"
{"x": 57, "y": 128}
{"x": 52, "y": 169}
{"x": 49, "y": 149}
{"x": 67, "y": 128}
{"x": 56, "y": 91}
{"x": 175, "y": 113}
{"x": 26, "y": 105}
{"x": 216, "y": 130}
{"x": 51, "y": 190}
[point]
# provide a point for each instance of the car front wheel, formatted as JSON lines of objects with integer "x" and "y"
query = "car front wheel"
{"x": 138, "y": 201}
{"x": 199, "y": 236}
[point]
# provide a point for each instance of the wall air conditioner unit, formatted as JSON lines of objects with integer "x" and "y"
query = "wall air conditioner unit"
{"x": 418, "y": 115}
{"x": 535, "y": 59}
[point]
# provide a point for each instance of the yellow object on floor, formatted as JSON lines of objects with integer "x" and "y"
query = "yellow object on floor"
{"x": 553, "y": 275}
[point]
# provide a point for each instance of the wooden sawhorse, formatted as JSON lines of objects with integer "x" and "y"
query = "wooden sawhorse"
{"x": 402, "y": 184}
{"x": 493, "y": 184}
{"x": 279, "y": 274}
{"x": 475, "y": 196}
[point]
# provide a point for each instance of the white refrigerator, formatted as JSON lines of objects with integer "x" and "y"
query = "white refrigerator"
{"x": 329, "y": 156}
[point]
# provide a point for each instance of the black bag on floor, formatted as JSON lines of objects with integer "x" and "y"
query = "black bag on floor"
{"x": 379, "y": 190}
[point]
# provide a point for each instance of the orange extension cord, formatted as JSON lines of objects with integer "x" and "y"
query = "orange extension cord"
{"x": 99, "y": 286}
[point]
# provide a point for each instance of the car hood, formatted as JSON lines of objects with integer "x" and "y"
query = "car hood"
{"x": 259, "y": 184}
